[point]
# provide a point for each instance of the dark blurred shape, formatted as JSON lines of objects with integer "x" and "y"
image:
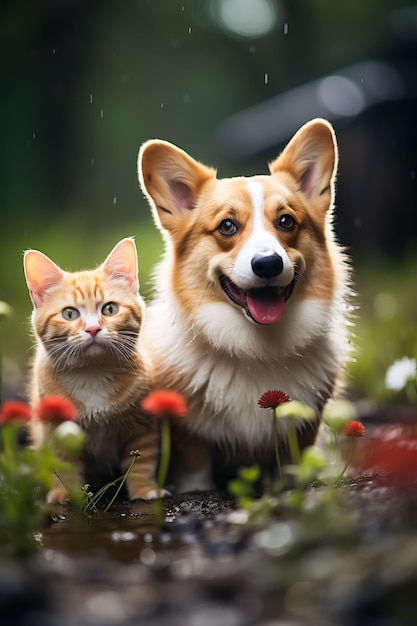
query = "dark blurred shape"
{"x": 372, "y": 106}
{"x": 344, "y": 94}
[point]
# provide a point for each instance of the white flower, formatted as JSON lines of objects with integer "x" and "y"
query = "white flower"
{"x": 399, "y": 373}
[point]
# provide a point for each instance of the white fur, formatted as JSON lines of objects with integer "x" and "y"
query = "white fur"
{"x": 260, "y": 241}
{"x": 92, "y": 389}
{"x": 233, "y": 362}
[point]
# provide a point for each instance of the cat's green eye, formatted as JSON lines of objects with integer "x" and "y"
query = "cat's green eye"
{"x": 70, "y": 314}
{"x": 111, "y": 308}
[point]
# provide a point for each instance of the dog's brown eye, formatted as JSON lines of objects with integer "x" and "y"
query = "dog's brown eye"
{"x": 286, "y": 222}
{"x": 228, "y": 227}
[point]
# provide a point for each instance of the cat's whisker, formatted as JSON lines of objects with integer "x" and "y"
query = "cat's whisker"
{"x": 104, "y": 374}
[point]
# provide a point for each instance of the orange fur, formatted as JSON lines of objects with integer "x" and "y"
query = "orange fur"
{"x": 252, "y": 293}
{"x": 97, "y": 361}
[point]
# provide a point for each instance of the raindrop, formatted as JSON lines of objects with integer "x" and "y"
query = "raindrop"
{"x": 53, "y": 50}
{"x": 162, "y": 105}
{"x": 189, "y": 30}
{"x": 286, "y": 28}
{"x": 91, "y": 98}
{"x": 114, "y": 200}
{"x": 101, "y": 113}
{"x": 266, "y": 78}
{"x": 33, "y": 136}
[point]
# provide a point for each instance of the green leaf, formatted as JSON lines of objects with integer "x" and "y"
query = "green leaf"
{"x": 314, "y": 458}
{"x": 338, "y": 413}
{"x": 250, "y": 474}
{"x": 296, "y": 410}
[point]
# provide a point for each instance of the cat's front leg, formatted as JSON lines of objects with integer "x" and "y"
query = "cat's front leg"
{"x": 57, "y": 494}
{"x": 141, "y": 482}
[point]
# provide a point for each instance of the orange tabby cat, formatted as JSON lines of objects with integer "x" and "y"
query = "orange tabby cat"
{"x": 87, "y": 328}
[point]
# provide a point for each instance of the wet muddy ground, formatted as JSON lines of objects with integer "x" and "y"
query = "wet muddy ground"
{"x": 349, "y": 559}
{"x": 206, "y": 565}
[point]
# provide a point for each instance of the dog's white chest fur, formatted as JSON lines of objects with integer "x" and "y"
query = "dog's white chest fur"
{"x": 228, "y": 363}
{"x": 252, "y": 293}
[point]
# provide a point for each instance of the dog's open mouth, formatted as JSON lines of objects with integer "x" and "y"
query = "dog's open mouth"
{"x": 265, "y": 305}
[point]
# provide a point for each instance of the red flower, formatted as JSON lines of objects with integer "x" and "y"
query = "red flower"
{"x": 55, "y": 409}
{"x": 164, "y": 402}
{"x": 13, "y": 411}
{"x": 354, "y": 429}
{"x": 393, "y": 451}
{"x": 272, "y": 399}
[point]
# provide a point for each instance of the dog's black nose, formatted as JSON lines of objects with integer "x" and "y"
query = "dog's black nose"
{"x": 267, "y": 266}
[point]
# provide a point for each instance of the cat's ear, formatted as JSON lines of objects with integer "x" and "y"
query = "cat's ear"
{"x": 41, "y": 274}
{"x": 122, "y": 263}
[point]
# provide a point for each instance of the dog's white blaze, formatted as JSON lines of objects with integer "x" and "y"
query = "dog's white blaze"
{"x": 256, "y": 192}
{"x": 260, "y": 242}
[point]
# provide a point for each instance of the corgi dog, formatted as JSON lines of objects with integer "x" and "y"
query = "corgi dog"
{"x": 252, "y": 293}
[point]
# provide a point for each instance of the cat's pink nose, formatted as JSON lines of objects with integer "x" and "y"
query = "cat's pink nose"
{"x": 93, "y": 330}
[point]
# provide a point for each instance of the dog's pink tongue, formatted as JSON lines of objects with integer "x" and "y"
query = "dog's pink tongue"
{"x": 265, "y": 309}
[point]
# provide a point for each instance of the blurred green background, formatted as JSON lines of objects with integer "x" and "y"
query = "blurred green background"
{"x": 84, "y": 83}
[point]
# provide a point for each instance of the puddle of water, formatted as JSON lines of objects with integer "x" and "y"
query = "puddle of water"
{"x": 129, "y": 529}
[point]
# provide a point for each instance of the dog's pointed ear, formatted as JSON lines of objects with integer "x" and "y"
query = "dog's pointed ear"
{"x": 171, "y": 180}
{"x": 311, "y": 157}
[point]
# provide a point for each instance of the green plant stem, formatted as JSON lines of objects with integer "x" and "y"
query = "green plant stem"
{"x": 293, "y": 442}
{"x": 348, "y": 462}
{"x": 9, "y": 436}
{"x": 89, "y": 503}
{"x": 62, "y": 481}
{"x": 276, "y": 444}
{"x": 93, "y": 500}
{"x": 122, "y": 482}
{"x": 165, "y": 454}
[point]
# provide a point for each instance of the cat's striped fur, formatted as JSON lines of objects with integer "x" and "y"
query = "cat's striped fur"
{"x": 88, "y": 349}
